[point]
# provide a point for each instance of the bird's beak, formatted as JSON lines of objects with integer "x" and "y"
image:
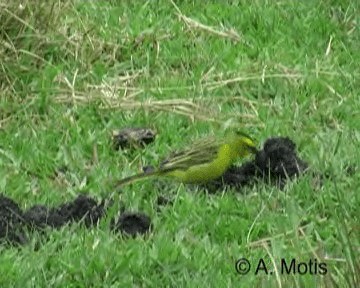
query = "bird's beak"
{"x": 253, "y": 149}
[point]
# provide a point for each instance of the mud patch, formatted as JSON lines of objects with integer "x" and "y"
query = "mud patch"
{"x": 11, "y": 222}
{"x": 132, "y": 224}
{"x": 83, "y": 208}
{"x": 16, "y": 225}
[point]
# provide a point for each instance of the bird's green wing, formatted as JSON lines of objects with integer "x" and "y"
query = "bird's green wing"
{"x": 201, "y": 152}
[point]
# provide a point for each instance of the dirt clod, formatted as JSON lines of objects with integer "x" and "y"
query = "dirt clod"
{"x": 82, "y": 208}
{"x": 279, "y": 160}
{"x": 132, "y": 224}
{"x": 11, "y": 222}
{"x": 15, "y": 224}
{"x": 133, "y": 137}
{"x": 37, "y": 216}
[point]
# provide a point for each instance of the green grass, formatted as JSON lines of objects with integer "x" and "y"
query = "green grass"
{"x": 71, "y": 71}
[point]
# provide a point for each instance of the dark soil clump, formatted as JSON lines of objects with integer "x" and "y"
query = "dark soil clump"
{"x": 132, "y": 224}
{"x": 16, "y": 225}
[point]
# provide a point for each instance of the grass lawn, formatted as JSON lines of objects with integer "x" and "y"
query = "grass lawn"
{"x": 73, "y": 71}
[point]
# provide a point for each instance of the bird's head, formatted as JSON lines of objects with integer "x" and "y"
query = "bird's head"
{"x": 244, "y": 144}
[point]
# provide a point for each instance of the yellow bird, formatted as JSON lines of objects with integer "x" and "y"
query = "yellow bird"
{"x": 206, "y": 160}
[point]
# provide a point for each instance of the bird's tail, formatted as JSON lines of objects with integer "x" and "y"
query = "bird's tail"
{"x": 134, "y": 178}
